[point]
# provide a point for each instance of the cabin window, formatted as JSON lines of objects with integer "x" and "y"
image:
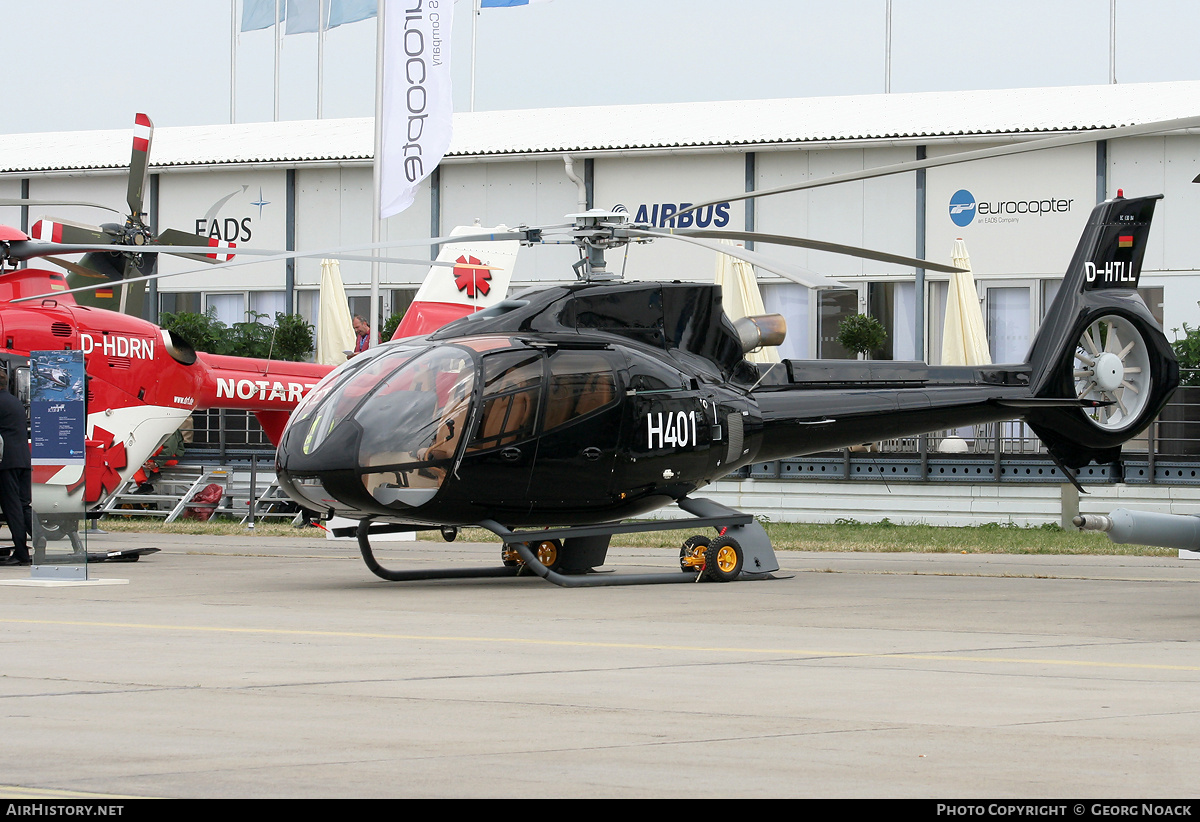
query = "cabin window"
{"x": 580, "y": 382}
{"x": 512, "y": 382}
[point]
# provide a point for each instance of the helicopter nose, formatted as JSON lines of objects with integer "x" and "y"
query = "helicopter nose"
{"x": 383, "y": 438}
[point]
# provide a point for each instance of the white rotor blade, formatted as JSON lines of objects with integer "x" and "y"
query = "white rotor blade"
{"x": 326, "y": 252}
{"x": 794, "y": 273}
{"x": 1074, "y": 138}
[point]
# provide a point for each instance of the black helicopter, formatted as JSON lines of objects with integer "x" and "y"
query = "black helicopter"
{"x": 574, "y": 408}
{"x": 577, "y": 407}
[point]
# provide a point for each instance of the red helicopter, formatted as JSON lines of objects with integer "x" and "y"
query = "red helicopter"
{"x": 142, "y": 380}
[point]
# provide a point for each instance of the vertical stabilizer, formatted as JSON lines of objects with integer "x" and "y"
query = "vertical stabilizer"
{"x": 1099, "y": 342}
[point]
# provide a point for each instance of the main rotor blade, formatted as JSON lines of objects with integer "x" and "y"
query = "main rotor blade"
{"x": 66, "y": 231}
{"x": 76, "y": 268}
{"x": 29, "y": 249}
{"x": 219, "y": 251}
{"x": 816, "y": 245}
{"x": 794, "y": 273}
{"x": 139, "y": 164}
{"x": 6, "y": 201}
{"x": 49, "y": 248}
{"x": 1074, "y": 138}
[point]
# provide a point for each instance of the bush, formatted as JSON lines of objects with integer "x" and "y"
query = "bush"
{"x": 861, "y": 334}
{"x": 390, "y": 326}
{"x": 204, "y": 331}
{"x": 249, "y": 338}
{"x": 1187, "y": 350}
{"x": 291, "y": 338}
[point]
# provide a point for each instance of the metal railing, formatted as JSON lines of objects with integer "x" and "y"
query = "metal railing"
{"x": 223, "y": 435}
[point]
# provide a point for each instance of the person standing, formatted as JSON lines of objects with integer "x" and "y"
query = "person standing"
{"x": 16, "y": 490}
{"x": 362, "y": 333}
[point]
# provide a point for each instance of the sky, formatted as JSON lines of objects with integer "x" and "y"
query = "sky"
{"x": 83, "y": 64}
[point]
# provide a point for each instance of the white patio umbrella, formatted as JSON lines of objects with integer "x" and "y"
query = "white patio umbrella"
{"x": 964, "y": 339}
{"x": 741, "y": 298}
{"x": 335, "y": 327}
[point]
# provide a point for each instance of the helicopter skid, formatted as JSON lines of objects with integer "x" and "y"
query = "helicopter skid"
{"x": 584, "y": 547}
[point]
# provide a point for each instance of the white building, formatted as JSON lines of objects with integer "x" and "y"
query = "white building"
{"x": 307, "y": 185}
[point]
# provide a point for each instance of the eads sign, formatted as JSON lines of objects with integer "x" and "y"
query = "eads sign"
{"x": 964, "y": 208}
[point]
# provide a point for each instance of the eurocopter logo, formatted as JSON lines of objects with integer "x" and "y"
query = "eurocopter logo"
{"x": 962, "y": 207}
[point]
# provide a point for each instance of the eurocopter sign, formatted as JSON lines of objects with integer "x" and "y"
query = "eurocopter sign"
{"x": 964, "y": 208}
{"x": 1018, "y": 215}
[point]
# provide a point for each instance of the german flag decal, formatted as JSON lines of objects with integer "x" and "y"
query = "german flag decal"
{"x": 1125, "y": 241}
{"x": 104, "y": 292}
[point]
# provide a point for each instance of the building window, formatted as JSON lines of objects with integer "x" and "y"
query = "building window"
{"x": 402, "y": 298}
{"x": 833, "y": 306}
{"x": 361, "y": 307}
{"x": 892, "y": 304}
{"x": 935, "y": 320}
{"x": 268, "y": 303}
{"x": 1152, "y": 295}
{"x": 1009, "y": 328}
{"x": 180, "y": 302}
{"x": 790, "y": 300}
{"x": 227, "y": 308}
{"x": 308, "y": 306}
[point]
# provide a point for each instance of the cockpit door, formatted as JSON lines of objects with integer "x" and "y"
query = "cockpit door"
{"x": 581, "y": 428}
{"x": 500, "y": 454}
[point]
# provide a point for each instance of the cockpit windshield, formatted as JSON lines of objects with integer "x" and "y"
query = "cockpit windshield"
{"x": 411, "y": 409}
{"x": 417, "y": 414}
{"x": 331, "y": 403}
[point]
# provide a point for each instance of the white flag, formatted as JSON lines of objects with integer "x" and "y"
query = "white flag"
{"x": 417, "y": 104}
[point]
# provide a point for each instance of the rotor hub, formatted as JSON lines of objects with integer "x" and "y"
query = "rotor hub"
{"x": 1109, "y": 371}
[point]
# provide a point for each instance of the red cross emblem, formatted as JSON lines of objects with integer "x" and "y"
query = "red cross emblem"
{"x": 470, "y": 279}
{"x": 104, "y": 460}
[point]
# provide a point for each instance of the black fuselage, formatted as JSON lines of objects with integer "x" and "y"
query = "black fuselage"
{"x": 602, "y": 401}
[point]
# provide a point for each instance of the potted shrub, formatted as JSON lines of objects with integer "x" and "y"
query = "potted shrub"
{"x": 861, "y": 334}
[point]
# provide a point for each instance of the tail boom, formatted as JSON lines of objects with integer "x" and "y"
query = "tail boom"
{"x": 1099, "y": 370}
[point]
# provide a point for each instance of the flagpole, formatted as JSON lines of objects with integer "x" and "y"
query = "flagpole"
{"x": 321, "y": 21}
{"x": 233, "y": 61}
{"x": 1112, "y": 42}
{"x": 275, "y": 29}
{"x": 376, "y": 228}
{"x": 474, "y": 18}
